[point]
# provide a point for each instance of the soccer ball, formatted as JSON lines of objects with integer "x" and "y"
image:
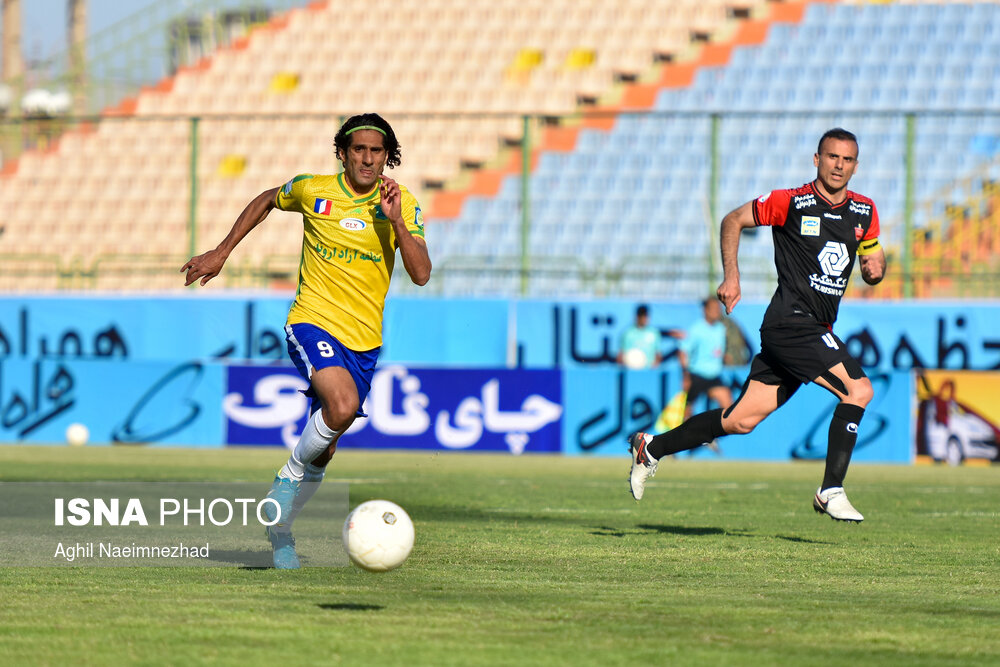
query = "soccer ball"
{"x": 378, "y": 535}
{"x": 77, "y": 435}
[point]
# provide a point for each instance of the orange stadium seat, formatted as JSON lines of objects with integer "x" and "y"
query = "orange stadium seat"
{"x": 446, "y": 59}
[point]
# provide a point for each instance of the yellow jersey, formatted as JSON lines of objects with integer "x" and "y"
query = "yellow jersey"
{"x": 348, "y": 251}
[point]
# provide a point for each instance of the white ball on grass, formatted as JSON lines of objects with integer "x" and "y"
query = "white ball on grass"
{"x": 77, "y": 435}
{"x": 378, "y": 535}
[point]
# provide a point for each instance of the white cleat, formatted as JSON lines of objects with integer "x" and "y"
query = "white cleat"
{"x": 833, "y": 501}
{"x": 643, "y": 465}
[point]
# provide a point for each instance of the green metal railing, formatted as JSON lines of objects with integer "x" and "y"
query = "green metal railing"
{"x": 920, "y": 215}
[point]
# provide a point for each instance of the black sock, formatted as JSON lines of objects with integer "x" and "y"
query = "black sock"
{"x": 696, "y": 431}
{"x": 843, "y": 435}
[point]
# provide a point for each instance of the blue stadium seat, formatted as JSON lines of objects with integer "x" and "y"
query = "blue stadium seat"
{"x": 884, "y": 57}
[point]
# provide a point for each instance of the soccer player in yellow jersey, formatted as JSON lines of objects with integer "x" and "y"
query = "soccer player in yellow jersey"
{"x": 353, "y": 224}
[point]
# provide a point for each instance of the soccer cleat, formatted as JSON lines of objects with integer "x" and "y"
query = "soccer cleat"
{"x": 833, "y": 501}
{"x": 283, "y": 545}
{"x": 643, "y": 465}
{"x": 283, "y": 491}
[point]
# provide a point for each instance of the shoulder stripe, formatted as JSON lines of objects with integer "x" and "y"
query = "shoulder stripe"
{"x": 861, "y": 199}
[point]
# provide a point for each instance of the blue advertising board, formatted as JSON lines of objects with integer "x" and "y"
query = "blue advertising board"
{"x": 125, "y": 403}
{"x": 408, "y": 408}
{"x": 883, "y": 336}
{"x": 174, "y": 328}
{"x": 466, "y": 333}
{"x": 604, "y": 405}
{"x": 209, "y": 326}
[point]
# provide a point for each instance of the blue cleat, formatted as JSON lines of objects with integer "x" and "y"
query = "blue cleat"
{"x": 283, "y": 545}
{"x": 283, "y": 491}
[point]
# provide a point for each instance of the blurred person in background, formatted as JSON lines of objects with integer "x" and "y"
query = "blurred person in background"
{"x": 702, "y": 356}
{"x": 818, "y": 230}
{"x": 353, "y": 223}
{"x": 640, "y": 347}
{"x": 641, "y": 343}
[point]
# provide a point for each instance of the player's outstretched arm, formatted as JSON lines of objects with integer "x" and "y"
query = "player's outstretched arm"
{"x": 873, "y": 267}
{"x": 412, "y": 249}
{"x": 729, "y": 238}
{"x": 208, "y": 265}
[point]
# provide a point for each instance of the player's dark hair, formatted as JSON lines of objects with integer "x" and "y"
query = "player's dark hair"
{"x": 642, "y": 310}
{"x": 835, "y": 133}
{"x": 342, "y": 142}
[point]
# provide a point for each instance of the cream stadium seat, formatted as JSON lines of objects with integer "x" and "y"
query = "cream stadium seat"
{"x": 447, "y": 58}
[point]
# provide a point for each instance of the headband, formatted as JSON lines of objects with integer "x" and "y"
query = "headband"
{"x": 365, "y": 127}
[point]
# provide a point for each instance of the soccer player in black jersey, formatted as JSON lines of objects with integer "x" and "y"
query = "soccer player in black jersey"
{"x": 818, "y": 230}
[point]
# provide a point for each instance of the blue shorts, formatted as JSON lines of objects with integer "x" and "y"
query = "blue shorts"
{"x": 312, "y": 349}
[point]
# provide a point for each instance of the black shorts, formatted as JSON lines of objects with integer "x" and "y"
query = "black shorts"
{"x": 796, "y": 352}
{"x": 701, "y": 384}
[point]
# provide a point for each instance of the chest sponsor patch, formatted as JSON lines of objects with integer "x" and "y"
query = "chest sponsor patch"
{"x": 810, "y": 226}
{"x": 352, "y": 224}
{"x": 802, "y": 201}
{"x": 859, "y": 208}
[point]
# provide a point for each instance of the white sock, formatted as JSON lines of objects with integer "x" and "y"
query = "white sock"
{"x": 311, "y": 480}
{"x": 316, "y": 437}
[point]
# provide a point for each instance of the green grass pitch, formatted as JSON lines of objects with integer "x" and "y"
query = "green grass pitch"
{"x": 547, "y": 561}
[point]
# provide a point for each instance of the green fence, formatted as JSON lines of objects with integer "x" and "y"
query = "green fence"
{"x": 940, "y": 223}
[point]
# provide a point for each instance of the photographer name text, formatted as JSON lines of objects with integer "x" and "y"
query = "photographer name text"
{"x": 110, "y": 550}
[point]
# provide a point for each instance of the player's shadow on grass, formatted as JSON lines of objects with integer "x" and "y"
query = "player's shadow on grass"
{"x": 247, "y": 559}
{"x": 349, "y": 606}
{"x": 609, "y": 531}
{"x": 689, "y": 530}
{"x": 696, "y": 531}
{"x": 801, "y": 540}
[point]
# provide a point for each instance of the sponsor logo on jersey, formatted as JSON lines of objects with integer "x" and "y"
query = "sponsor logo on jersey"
{"x": 834, "y": 285}
{"x": 834, "y": 258}
{"x": 859, "y": 208}
{"x": 353, "y": 224}
{"x": 858, "y": 233}
{"x": 323, "y": 206}
{"x": 832, "y": 216}
{"x": 802, "y": 201}
{"x": 810, "y": 226}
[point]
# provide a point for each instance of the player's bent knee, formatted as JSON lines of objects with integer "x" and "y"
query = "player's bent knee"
{"x": 740, "y": 426}
{"x": 861, "y": 392}
{"x": 338, "y": 414}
